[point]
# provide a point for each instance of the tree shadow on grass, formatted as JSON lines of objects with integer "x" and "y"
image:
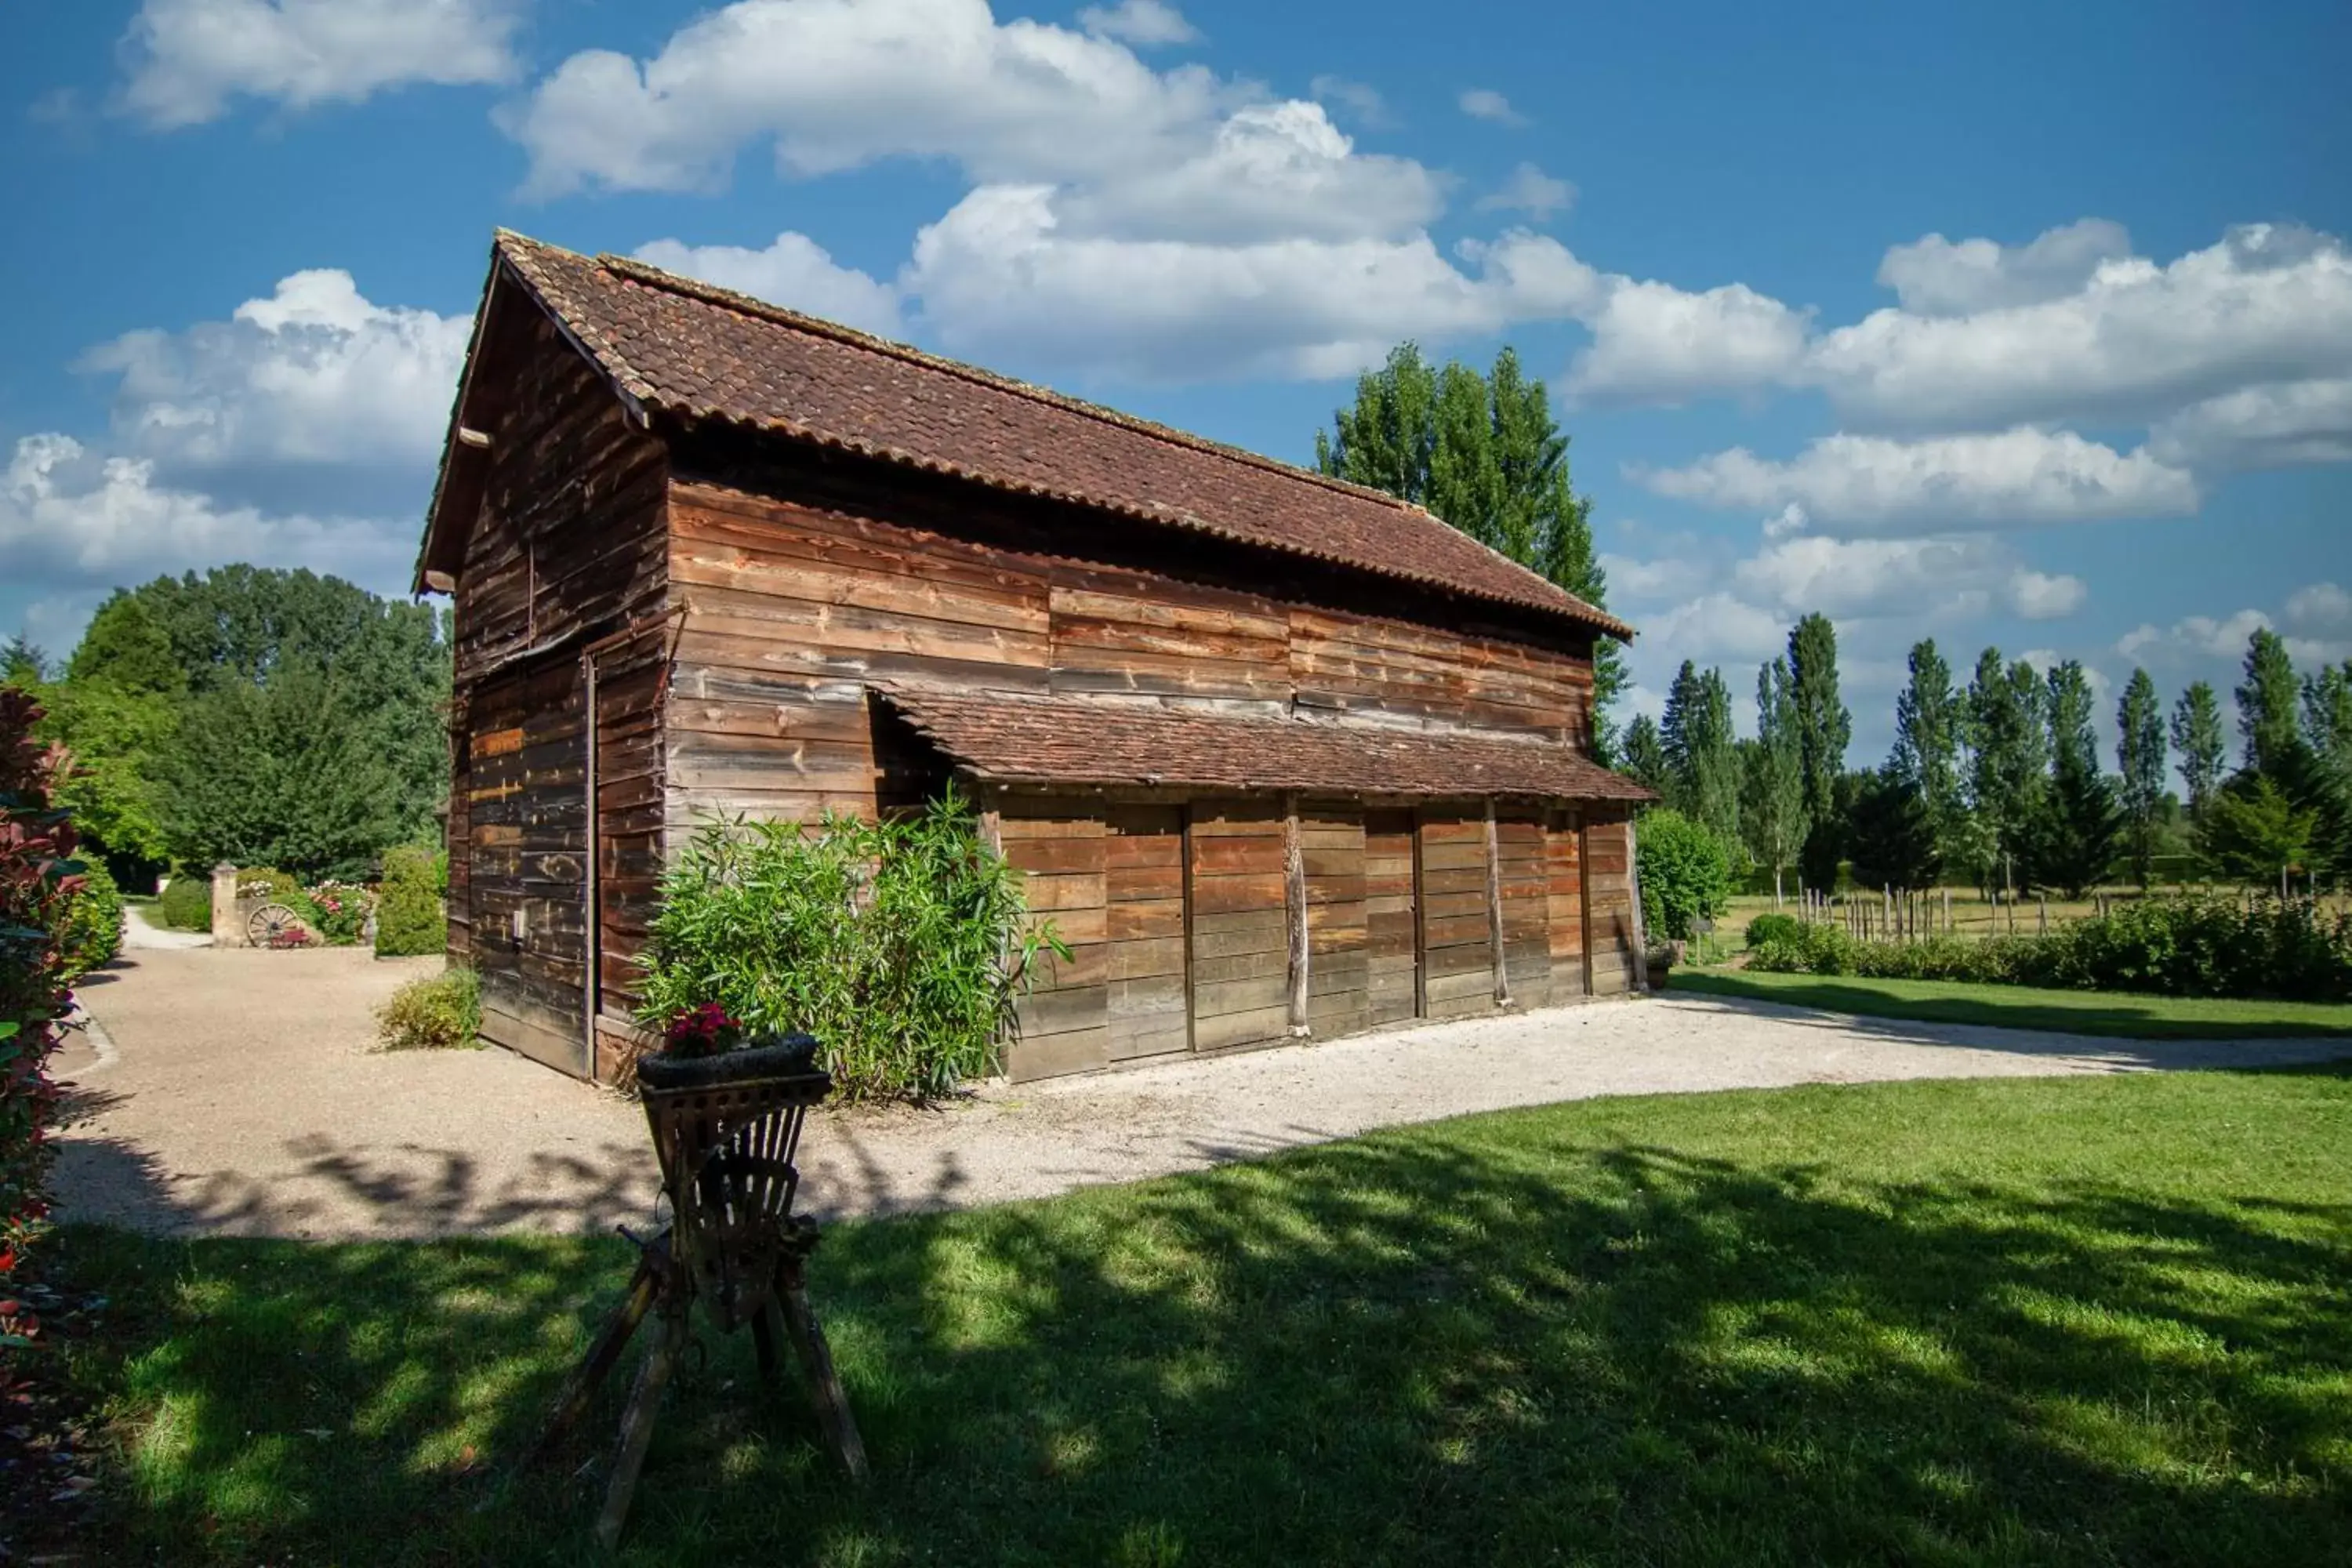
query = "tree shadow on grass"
{"x": 1465, "y": 1343}
{"x": 2138, "y": 1027}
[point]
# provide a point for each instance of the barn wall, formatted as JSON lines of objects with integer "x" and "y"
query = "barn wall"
{"x": 568, "y": 547}
{"x": 1612, "y": 928}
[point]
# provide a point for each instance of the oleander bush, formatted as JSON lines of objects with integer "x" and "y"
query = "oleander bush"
{"x": 1685, "y": 870}
{"x": 433, "y": 1012}
{"x": 2191, "y": 945}
{"x": 93, "y": 933}
{"x": 901, "y": 945}
{"x": 38, "y": 881}
{"x": 410, "y": 919}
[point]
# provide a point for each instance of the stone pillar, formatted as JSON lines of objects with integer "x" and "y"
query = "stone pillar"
{"x": 228, "y": 930}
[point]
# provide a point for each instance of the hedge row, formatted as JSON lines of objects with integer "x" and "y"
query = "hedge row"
{"x": 2182, "y": 946}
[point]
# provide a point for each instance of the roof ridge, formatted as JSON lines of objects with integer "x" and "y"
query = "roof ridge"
{"x": 653, "y": 277}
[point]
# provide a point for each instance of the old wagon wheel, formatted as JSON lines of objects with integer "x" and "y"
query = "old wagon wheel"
{"x": 275, "y": 925}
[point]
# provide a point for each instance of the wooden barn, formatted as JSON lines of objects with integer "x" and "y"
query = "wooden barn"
{"x": 1281, "y": 757}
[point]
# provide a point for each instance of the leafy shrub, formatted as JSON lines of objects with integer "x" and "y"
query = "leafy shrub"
{"x": 409, "y": 917}
{"x": 2186, "y": 946}
{"x": 1768, "y": 927}
{"x": 92, "y": 933}
{"x": 900, "y": 945}
{"x": 187, "y": 902}
{"x": 433, "y": 1012}
{"x": 36, "y": 885}
{"x": 268, "y": 882}
{"x": 339, "y": 911}
{"x": 1686, "y": 872}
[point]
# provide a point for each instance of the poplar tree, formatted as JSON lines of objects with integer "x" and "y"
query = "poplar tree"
{"x": 2267, "y": 716}
{"x": 1485, "y": 454}
{"x": 1772, "y": 816}
{"x": 2139, "y": 758}
{"x": 2197, "y": 736}
{"x": 1823, "y": 729}
{"x": 2008, "y": 761}
{"x": 1702, "y": 750}
{"x": 2075, "y": 825}
{"x": 1644, "y": 758}
{"x": 1928, "y": 721}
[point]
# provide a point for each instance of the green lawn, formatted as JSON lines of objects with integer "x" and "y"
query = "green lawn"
{"x": 2119, "y": 1013}
{"x": 2091, "y": 1321}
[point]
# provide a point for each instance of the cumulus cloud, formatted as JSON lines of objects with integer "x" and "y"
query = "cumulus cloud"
{"x": 1485, "y": 103}
{"x": 1716, "y": 626}
{"x": 795, "y": 272}
{"x": 835, "y": 86}
{"x": 2320, "y": 606}
{"x": 1531, "y": 190}
{"x": 187, "y": 59}
{"x": 2213, "y": 638}
{"x": 1935, "y": 277}
{"x": 1000, "y": 276}
{"x": 2268, "y": 303}
{"x": 1362, "y": 100}
{"x": 2276, "y": 425}
{"x": 1144, "y": 23}
{"x": 1877, "y": 484}
{"x": 314, "y": 374}
{"x": 1652, "y": 343}
{"x": 71, "y": 517}
{"x": 2044, "y": 596}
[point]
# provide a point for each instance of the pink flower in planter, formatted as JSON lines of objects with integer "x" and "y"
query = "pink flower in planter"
{"x": 702, "y": 1031}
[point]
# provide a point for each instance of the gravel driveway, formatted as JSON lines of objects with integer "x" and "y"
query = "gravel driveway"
{"x": 236, "y": 1092}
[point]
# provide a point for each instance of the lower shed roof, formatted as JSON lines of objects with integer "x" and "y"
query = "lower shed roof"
{"x": 1007, "y": 739}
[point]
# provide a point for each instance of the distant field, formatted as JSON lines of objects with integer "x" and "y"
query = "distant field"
{"x": 1972, "y": 914}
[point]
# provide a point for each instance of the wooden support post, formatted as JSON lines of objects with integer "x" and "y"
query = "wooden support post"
{"x": 638, "y": 1425}
{"x": 1294, "y": 877}
{"x": 1584, "y": 892}
{"x": 1495, "y": 911}
{"x": 1641, "y": 932}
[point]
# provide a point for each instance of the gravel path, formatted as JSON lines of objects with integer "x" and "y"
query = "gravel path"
{"x": 236, "y": 1092}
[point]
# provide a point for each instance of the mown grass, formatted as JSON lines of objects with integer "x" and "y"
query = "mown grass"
{"x": 2113, "y": 1014}
{"x": 2093, "y": 1322}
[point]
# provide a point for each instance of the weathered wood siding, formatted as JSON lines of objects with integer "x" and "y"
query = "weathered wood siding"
{"x": 1456, "y": 935}
{"x": 1564, "y": 904}
{"x": 1240, "y": 919}
{"x": 1612, "y": 930}
{"x": 1143, "y": 889}
{"x": 1392, "y": 917}
{"x": 1527, "y": 908}
{"x": 568, "y": 547}
{"x": 1061, "y": 849}
{"x": 1339, "y": 970}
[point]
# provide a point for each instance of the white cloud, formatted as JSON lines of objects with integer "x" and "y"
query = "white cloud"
{"x": 69, "y": 518}
{"x": 1362, "y": 100}
{"x": 793, "y": 271}
{"x": 1485, "y": 103}
{"x": 836, "y": 85}
{"x": 2275, "y": 425}
{"x": 1652, "y": 343}
{"x": 1271, "y": 170}
{"x": 2321, "y": 606}
{"x": 314, "y": 374}
{"x": 999, "y": 276}
{"x": 1875, "y": 484}
{"x": 2268, "y": 303}
{"x": 1935, "y": 277}
{"x": 1145, "y": 23}
{"x": 1716, "y": 626}
{"x": 187, "y": 58}
{"x": 1531, "y": 191}
{"x": 1789, "y": 520}
{"x": 2042, "y": 597}
{"x": 2196, "y": 635}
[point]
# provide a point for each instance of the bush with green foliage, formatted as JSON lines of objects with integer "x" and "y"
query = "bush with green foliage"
{"x": 409, "y": 920}
{"x": 901, "y": 945}
{"x": 433, "y": 1012}
{"x": 186, "y": 903}
{"x": 2192, "y": 946}
{"x": 339, "y": 911}
{"x": 37, "y": 874}
{"x": 1771, "y": 927}
{"x": 92, "y": 933}
{"x": 1685, "y": 870}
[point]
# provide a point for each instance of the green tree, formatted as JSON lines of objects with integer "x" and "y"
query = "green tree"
{"x": 1929, "y": 720}
{"x": 2008, "y": 757}
{"x": 24, "y": 664}
{"x": 1891, "y": 834}
{"x": 286, "y": 773}
{"x": 1702, "y": 750}
{"x": 1824, "y": 728}
{"x": 2253, "y": 830}
{"x": 126, "y": 648}
{"x": 1772, "y": 816}
{"x": 1686, "y": 873}
{"x": 2197, "y": 736}
{"x": 2139, "y": 758}
{"x": 2268, "y": 717}
{"x": 2074, "y": 826}
{"x": 1644, "y": 756}
{"x": 2327, "y": 741}
{"x": 1484, "y": 453}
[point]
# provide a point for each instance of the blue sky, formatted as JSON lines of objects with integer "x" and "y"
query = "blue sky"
{"x": 2031, "y": 326}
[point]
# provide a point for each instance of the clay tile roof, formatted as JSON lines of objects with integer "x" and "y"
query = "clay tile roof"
{"x": 700, "y": 352}
{"x": 1084, "y": 740}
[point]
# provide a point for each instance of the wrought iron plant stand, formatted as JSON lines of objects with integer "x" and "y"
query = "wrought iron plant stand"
{"x": 725, "y": 1129}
